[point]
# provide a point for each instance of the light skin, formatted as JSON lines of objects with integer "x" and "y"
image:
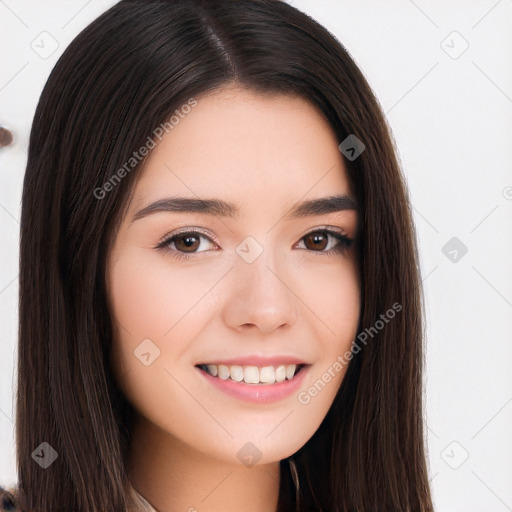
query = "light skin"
{"x": 300, "y": 297}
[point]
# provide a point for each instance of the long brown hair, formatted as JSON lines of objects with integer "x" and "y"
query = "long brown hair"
{"x": 120, "y": 78}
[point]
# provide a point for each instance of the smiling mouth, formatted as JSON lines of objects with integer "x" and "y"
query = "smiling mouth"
{"x": 261, "y": 375}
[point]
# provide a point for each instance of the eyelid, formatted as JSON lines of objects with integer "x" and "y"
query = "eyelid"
{"x": 188, "y": 229}
{"x": 326, "y": 227}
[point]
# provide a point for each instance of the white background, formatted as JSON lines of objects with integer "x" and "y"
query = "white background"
{"x": 451, "y": 115}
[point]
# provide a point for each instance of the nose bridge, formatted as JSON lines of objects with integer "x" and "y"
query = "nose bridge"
{"x": 260, "y": 294}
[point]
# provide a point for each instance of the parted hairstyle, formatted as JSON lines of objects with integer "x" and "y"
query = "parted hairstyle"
{"x": 120, "y": 79}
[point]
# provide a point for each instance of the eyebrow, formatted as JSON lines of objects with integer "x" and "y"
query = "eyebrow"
{"x": 220, "y": 208}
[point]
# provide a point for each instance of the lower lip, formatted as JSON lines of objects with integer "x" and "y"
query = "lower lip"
{"x": 257, "y": 393}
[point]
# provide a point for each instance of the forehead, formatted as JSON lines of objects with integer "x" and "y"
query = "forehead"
{"x": 246, "y": 148}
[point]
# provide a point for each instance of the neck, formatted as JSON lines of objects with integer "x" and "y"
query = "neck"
{"x": 174, "y": 477}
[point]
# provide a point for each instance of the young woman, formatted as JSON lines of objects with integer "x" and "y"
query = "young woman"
{"x": 220, "y": 303}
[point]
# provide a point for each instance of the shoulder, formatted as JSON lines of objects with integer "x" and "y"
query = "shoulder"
{"x": 8, "y": 502}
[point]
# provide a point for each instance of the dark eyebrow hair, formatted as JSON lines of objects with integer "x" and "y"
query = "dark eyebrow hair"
{"x": 220, "y": 208}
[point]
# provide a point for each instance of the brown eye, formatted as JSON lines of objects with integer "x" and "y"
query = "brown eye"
{"x": 326, "y": 241}
{"x": 186, "y": 242}
{"x": 316, "y": 241}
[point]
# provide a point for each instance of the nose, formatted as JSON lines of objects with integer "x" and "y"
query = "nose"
{"x": 261, "y": 295}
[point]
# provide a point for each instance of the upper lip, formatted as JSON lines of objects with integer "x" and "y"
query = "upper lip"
{"x": 255, "y": 360}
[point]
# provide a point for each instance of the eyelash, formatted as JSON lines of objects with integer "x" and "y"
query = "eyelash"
{"x": 341, "y": 247}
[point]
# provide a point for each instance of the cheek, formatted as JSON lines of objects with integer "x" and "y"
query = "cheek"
{"x": 155, "y": 310}
{"x": 332, "y": 294}
{"x": 148, "y": 298}
{"x": 334, "y": 304}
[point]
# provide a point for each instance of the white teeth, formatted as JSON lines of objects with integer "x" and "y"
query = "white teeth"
{"x": 237, "y": 373}
{"x": 223, "y": 372}
{"x": 252, "y": 374}
{"x": 280, "y": 373}
{"x": 268, "y": 375}
{"x": 212, "y": 369}
{"x": 290, "y": 370}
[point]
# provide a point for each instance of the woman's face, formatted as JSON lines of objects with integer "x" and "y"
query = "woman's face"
{"x": 244, "y": 292}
